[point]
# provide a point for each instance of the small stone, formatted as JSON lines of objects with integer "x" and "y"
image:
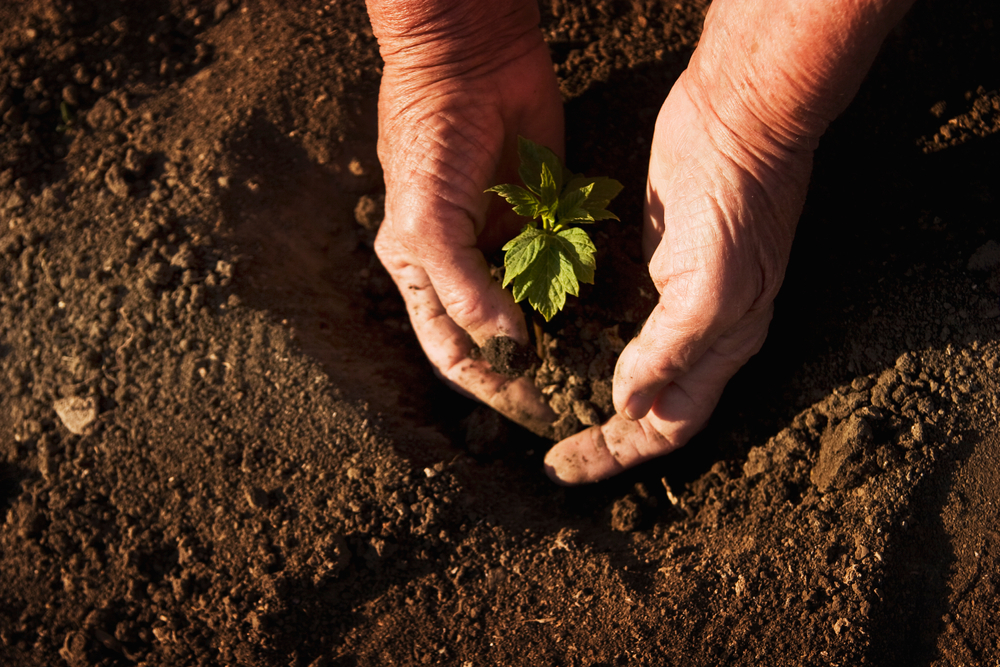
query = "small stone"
{"x": 14, "y": 115}
{"x": 105, "y": 114}
{"x": 841, "y": 453}
{"x": 76, "y": 413}
{"x": 906, "y": 363}
{"x": 71, "y": 95}
{"x": 221, "y": 9}
{"x": 136, "y": 161}
{"x": 13, "y": 202}
{"x": 224, "y": 270}
{"x": 184, "y": 258}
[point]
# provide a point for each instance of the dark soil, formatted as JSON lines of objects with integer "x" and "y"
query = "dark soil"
{"x": 508, "y": 357}
{"x": 221, "y": 445}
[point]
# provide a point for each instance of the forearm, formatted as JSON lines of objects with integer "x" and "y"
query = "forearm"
{"x": 782, "y": 70}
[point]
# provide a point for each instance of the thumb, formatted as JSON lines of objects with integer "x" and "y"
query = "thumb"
{"x": 673, "y": 338}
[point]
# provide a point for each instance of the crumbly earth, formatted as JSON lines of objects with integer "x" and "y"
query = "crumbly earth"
{"x": 220, "y": 444}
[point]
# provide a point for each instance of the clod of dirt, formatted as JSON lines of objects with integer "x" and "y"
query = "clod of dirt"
{"x": 369, "y": 211}
{"x": 626, "y": 514}
{"x": 586, "y": 413}
{"x": 508, "y": 357}
{"x": 986, "y": 257}
{"x": 841, "y": 449}
{"x": 76, "y": 413}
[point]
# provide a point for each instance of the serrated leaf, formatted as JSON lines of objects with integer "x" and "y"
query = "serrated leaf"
{"x": 570, "y": 205}
{"x": 520, "y": 252}
{"x": 549, "y": 191}
{"x": 548, "y": 279}
{"x": 602, "y": 214}
{"x": 602, "y": 192}
{"x": 543, "y": 265}
{"x": 533, "y": 158}
{"x": 525, "y": 203}
{"x": 581, "y": 253}
{"x": 558, "y": 263}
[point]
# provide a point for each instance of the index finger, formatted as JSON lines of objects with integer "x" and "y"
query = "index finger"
{"x": 449, "y": 349}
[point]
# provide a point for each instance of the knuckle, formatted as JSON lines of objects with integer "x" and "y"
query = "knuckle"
{"x": 390, "y": 251}
{"x": 466, "y": 312}
{"x": 408, "y": 230}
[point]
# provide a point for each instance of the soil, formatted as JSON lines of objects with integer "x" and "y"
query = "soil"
{"x": 221, "y": 445}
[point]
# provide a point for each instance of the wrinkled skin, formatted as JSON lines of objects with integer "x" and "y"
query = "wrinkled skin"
{"x": 447, "y": 131}
{"x": 729, "y": 168}
{"x": 717, "y": 257}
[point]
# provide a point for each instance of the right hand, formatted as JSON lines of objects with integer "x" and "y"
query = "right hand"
{"x": 451, "y": 106}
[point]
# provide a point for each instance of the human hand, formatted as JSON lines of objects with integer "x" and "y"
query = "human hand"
{"x": 458, "y": 87}
{"x": 729, "y": 168}
{"x": 717, "y": 234}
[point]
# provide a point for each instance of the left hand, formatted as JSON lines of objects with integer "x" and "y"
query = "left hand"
{"x": 718, "y": 231}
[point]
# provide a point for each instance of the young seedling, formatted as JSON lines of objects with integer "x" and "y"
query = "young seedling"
{"x": 549, "y": 258}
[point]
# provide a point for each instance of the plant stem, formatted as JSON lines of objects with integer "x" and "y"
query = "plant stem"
{"x": 539, "y": 336}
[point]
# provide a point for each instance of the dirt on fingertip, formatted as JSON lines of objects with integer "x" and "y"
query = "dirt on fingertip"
{"x": 508, "y": 357}
{"x": 221, "y": 444}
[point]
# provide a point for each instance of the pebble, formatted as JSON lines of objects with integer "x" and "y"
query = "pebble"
{"x": 76, "y": 413}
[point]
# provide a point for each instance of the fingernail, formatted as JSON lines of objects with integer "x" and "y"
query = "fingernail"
{"x": 637, "y": 406}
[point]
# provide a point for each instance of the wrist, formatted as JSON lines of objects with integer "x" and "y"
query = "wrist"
{"x": 779, "y": 72}
{"x": 419, "y": 34}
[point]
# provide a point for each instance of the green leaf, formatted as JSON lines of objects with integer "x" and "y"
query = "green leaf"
{"x": 580, "y": 252}
{"x": 602, "y": 192}
{"x": 571, "y": 206}
{"x": 546, "y": 266}
{"x": 541, "y": 264}
{"x": 533, "y": 158}
{"x": 525, "y": 203}
{"x": 520, "y": 252}
{"x": 549, "y": 191}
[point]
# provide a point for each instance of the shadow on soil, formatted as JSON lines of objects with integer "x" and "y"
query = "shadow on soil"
{"x": 906, "y": 625}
